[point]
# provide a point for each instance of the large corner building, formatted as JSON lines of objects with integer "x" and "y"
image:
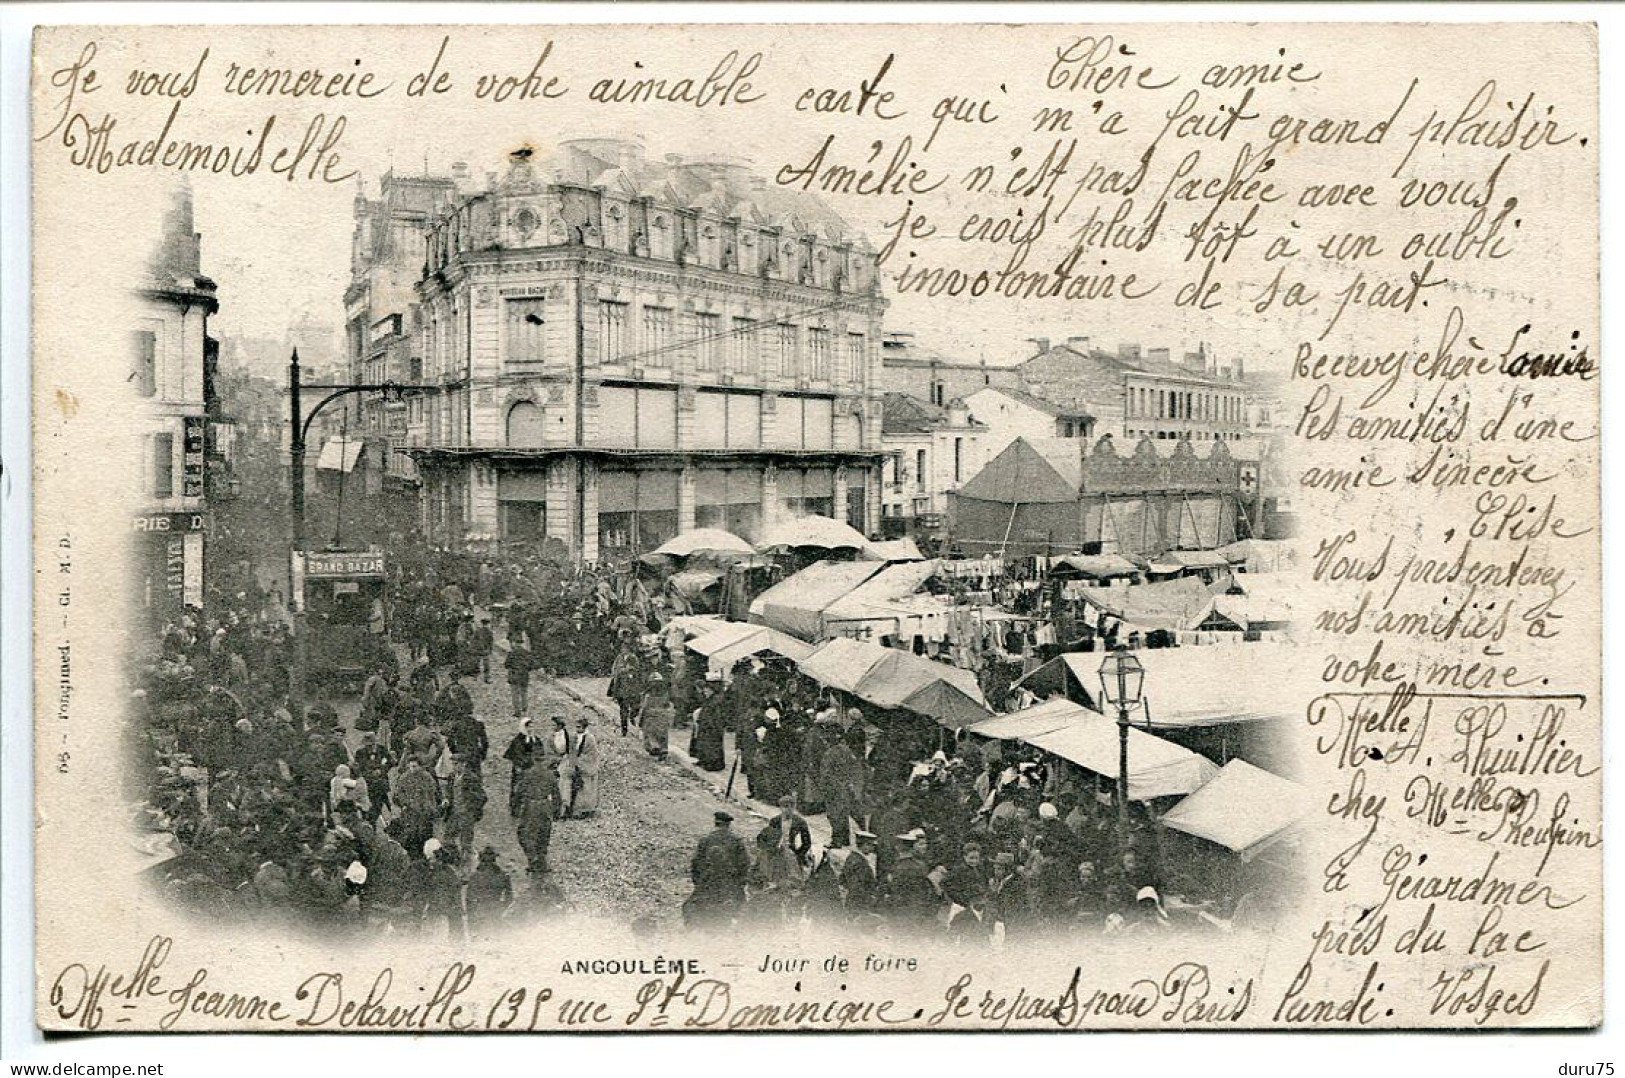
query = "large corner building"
{"x": 622, "y": 348}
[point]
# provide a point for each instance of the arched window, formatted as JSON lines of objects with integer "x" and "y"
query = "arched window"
{"x": 525, "y": 421}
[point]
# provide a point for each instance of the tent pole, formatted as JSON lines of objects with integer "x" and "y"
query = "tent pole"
{"x": 1011, "y": 523}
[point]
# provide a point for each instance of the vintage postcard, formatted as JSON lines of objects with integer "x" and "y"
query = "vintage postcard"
{"x": 817, "y": 527}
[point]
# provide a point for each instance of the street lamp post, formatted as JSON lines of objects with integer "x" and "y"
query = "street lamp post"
{"x": 298, "y": 433}
{"x": 296, "y": 496}
{"x": 1122, "y": 682}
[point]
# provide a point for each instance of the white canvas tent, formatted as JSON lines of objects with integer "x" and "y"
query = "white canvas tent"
{"x": 704, "y": 540}
{"x": 1156, "y": 768}
{"x": 893, "y": 550}
{"x": 812, "y": 531}
{"x": 889, "y": 603}
{"x": 883, "y": 676}
{"x": 1243, "y": 808}
{"x": 1209, "y": 685}
{"x": 1038, "y": 719}
{"x": 731, "y": 641}
{"x": 796, "y": 605}
{"x": 1171, "y": 604}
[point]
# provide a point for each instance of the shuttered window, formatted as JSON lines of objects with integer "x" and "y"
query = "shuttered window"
{"x": 526, "y": 329}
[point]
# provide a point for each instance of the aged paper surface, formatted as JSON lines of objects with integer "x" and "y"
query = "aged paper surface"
{"x": 1021, "y": 527}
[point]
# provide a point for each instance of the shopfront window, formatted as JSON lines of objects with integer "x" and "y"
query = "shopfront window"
{"x": 637, "y": 511}
{"x": 522, "y": 505}
{"x": 809, "y": 493}
{"x": 730, "y": 499}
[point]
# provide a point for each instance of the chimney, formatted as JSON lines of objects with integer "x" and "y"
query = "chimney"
{"x": 1128, "y": 351}
{"x": 1160, "y": 355}
{"x": 1078, "y": 344}
{"x": 1040, "y": 343}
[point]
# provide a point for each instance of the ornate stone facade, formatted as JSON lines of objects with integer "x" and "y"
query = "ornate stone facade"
{"x": 633, "y": 345}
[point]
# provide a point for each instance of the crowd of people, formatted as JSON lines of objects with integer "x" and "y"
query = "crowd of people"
{"x": 272, "y": 810}
{"x": 925, "y": 832}
{"x": 283, "y": 811}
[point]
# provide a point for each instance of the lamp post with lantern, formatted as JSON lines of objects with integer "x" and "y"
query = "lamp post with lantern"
{"x": 299, "y": 421}
{"x": 1122, "y": 684}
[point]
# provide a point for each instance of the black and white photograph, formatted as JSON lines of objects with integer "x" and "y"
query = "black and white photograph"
{"x": 816, "y": 527}
{"x": 602, "y": 548}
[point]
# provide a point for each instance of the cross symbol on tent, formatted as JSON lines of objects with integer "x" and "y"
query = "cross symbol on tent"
{"x": 1249, "y": 480}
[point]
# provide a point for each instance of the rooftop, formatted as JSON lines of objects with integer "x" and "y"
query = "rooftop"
{"x": 1149, "y": 362}
{"x": 1060, "y": 411}
{"x": 726, "y": 186}
{"x": 905, "y": 413}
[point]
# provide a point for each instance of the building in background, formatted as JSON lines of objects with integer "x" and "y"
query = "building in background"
{"x": 173, "y": 366}
{"x": 928, "y": 375}
{"x": 622, "y": 348}
{"x": 1142, "y": 498}
{"x": 1009, "y": 414}
{"x": 930, "y": 452}
{"x": 1266, "y": 403}
{"x": 1142, "y": 393}
{"x": 382, "y": 346}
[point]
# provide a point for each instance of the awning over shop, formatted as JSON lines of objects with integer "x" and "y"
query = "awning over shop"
{"x": 1099, "y": 566}
{"x": 1171, "y": 604}
{"x": 797, "y": 605}
{"x": 893, "y": 550}
{"x": 1156, "y": 768}
{"x": 729, "y": 642}
{"x": 1038, "y": 719}
{"x": 812, "y": 531}
{"x": 340, "y": 454}
{"x": 1242, "y": 808}
{"x": 946, "y": 703}
{"x": 1208, "y": 685}
{"x": 884, "y": 676}
{"x": 1259, "y": 555}
{"x": 1198, "y": 559}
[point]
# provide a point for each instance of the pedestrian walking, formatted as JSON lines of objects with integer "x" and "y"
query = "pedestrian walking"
{"x": 518, "y": 666}
{"x": 719, "y": 870}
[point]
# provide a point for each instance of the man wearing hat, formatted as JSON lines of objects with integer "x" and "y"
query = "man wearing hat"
{"x": 538, "y": 806}
{"x": 489, "y": 892}
{"x": 521, "y": 753}
{"x": 789, "y": 831}
{"x": 908, "y": 891}
{"x": 858, "y": 876}
{"x": 840, "y": 781}
{"x": 718, "y": 870}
